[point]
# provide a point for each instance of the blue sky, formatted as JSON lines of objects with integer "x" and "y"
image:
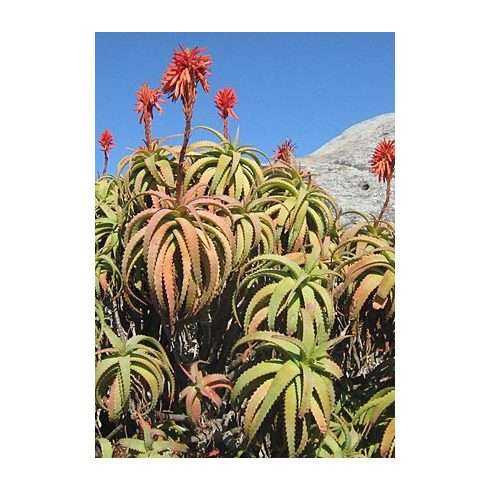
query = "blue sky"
{"x": 305, "y": 86}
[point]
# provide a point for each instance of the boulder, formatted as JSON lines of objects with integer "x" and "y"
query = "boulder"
{"x": 342, "y": 167}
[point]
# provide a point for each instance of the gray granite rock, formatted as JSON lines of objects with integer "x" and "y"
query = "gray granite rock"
{"x": 342, "y": 167}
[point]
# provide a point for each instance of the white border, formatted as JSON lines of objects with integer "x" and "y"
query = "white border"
{"x": 48, "y": 111}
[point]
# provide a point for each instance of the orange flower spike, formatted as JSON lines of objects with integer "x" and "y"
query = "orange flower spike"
{"x": 383, "y": 166}
{"x": 147, "y": 100}
{"x": 188, "y": 68}
{"x": 284, "y": 151}
{"x": 106, "y": 142}
{"x": 224, "y": 100}
{"x": 383, "y": 160}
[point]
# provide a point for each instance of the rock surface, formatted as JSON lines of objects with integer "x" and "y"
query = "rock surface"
{"x": 342, "y": 167}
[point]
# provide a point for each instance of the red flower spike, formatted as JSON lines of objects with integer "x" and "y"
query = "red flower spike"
{"x": 224, "y": 100}
{"x": 106, "y": 142}
{"x": 284, "y": 152}
{"x": 383, "y": 160}
{"x": 148, "y": 99}
{"x": 187, "y": 69}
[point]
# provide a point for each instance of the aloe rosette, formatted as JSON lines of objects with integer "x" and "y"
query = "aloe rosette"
{"x": 226, "y": 168}
{"x": 254, "y": 230}
{"x": 135, "y": 369}
{"x": 300, "y": 374}
{"x": 147, "y": 170}
{"x": 300, "y": 206}
{"x": 183, "y": 249}
{"x": 379, "y": 412}
{"x": 365, "y": 256}
{"x": 154, "y": 444}
{"x": 203, "y": 386}
{"x": 275, "y": 284}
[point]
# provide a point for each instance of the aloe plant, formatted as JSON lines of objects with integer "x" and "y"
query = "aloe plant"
{"x": 154, "y": 444}
{"x": 147, "y": 170}
{"x": 254, "y": 230}
{"x": 226, "y": 168}
{"x": 108, "y": 214}
{"x": 186, "y": 249}
{"x": 301, "y": 206}
{"x": 378, "y": 412}
{"x": 136, "y": 369}
{"x": 108, "y": 219}
{"x": 202, "y": 386}
{"x": 301, "y": 373}
{"x": 105, "y": 267}
{"x": 341, "y": 441}
{"x": 289, "y": 288}
{"x": 369, "y": 275}
{"x": 365, "y": 258}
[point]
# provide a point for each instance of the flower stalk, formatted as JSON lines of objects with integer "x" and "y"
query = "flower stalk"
{"x": 225, "y": 100}
{"x": 106, "y": 142}
{"x": 387, "y": 200}
{"x": 187, "y": 69}
{"x": 147, "y": 100}
{"x": 383, "y": 166}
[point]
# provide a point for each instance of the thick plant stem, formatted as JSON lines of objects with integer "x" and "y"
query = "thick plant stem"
{"x": 119, "y": 328}
{"x": 171, "y": 345}
{"x": 106, "y": 161}
{"x": 387, "y": 200}
{"x": 115, "y": 431}
{"x": 180, "y": 169}
{"x": 225, "y": 129}
{"x": 148, "y": 132}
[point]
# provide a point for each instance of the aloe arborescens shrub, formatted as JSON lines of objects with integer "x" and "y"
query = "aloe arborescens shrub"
{"x": 236, "y": 315}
